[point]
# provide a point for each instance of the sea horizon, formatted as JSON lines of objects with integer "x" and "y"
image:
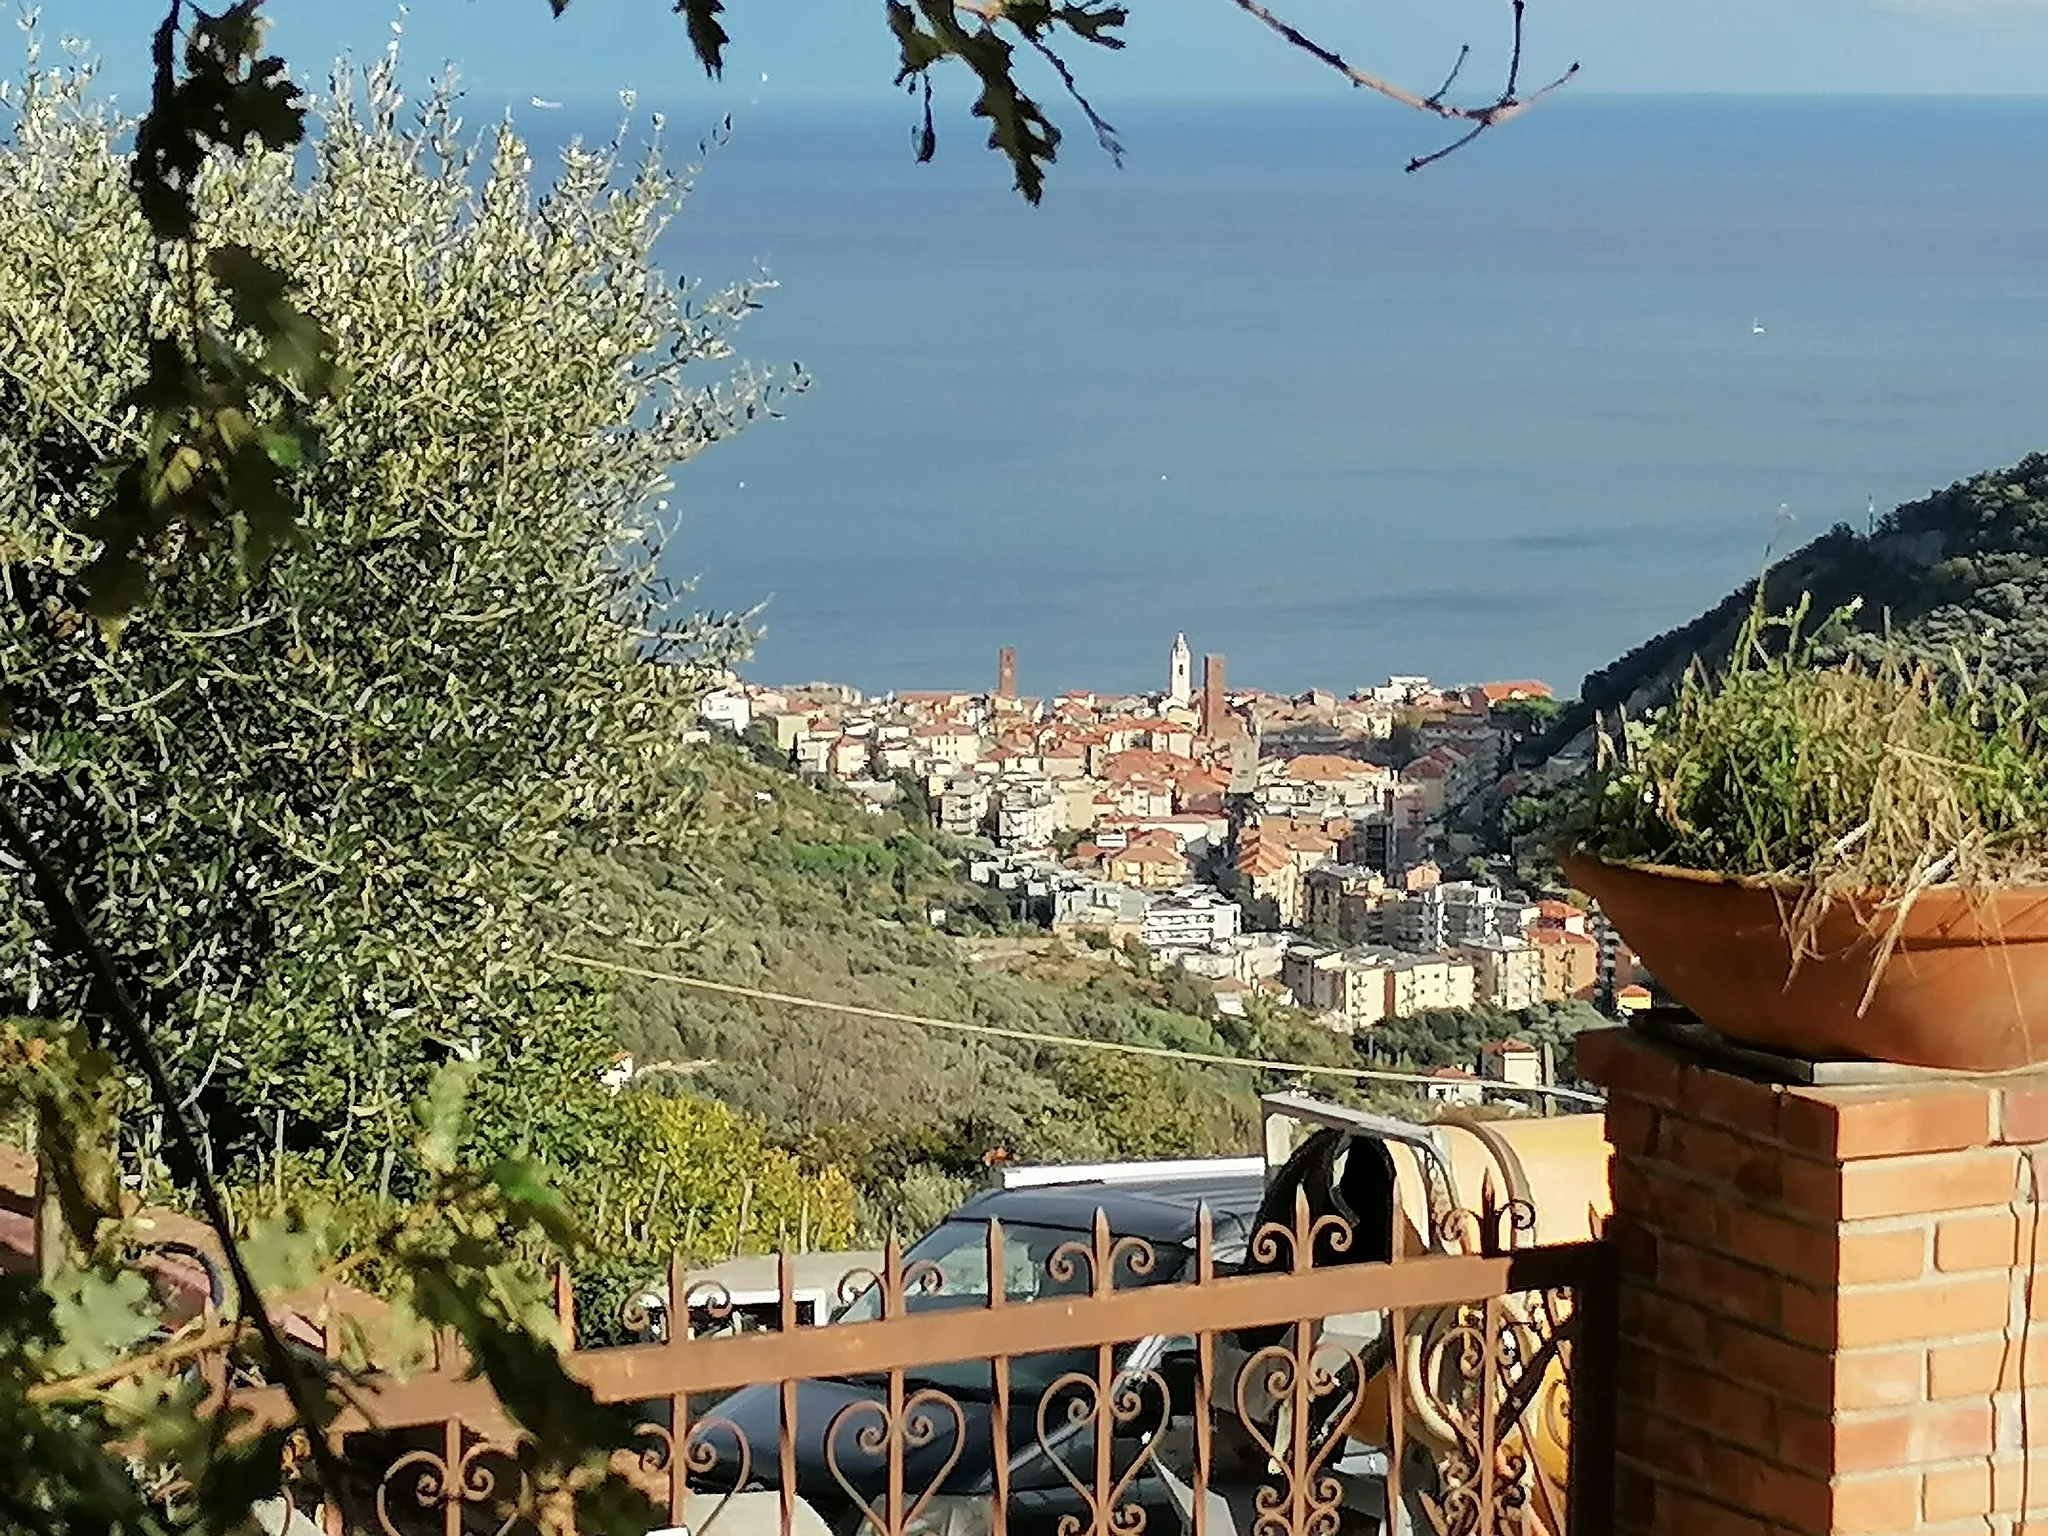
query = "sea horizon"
{"x": 1507, "y": 417}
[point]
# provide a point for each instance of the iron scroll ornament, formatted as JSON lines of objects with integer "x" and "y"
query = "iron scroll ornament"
{"x": 892, "y": 1434}
{"x": 1114, "y": 1410}
{"x": 472, "y": 1481}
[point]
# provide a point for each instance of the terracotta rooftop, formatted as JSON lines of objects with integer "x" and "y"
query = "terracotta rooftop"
{"x": 1325, "y": 767}
{"x": 1262, "y": 858}
{"x": 1155, "y": 837}
{"x": 1141, "y": 852}
{"x": 1135, "y": 761}
{"x": 1501, "y": 693}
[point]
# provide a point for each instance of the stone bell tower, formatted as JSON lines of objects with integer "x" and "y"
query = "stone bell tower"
{"x": 1180, "y": 673}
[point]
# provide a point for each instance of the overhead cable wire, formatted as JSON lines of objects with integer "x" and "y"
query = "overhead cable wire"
{"x": 1076, "y": 1042}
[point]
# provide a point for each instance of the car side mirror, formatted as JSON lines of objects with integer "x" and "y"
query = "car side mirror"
{"x": 1181, "y": 1371}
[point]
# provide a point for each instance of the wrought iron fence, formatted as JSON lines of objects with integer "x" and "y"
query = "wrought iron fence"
{"x": 1103, "y": 1384}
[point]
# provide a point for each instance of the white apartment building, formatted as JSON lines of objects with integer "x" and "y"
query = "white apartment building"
{"x": 1193, "y": 917}
{"x": 1027, "y": 816}
{"x": 1455, "y": 912}
{"x": 962, "y": 806}
{"x": 726, "y": 709}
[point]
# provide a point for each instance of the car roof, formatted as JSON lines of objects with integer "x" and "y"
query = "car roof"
{"x": 1158, "y": 1210}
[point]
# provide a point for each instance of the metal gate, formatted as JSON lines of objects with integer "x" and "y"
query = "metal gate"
{"x": 1108, "y": 1387}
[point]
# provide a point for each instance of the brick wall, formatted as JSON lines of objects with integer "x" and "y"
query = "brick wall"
{"x": 1828, "y": 1322}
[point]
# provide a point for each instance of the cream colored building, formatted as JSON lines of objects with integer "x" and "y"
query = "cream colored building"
{"x": 1347, "y": 988}
{"x": 944, "y": 744}
{"x": 1356, "y": 988}
{"x": 1149, "y": 863}
{"x": 1507, "y": 973}
{"x": 1512, "y": 1061}
{"x": 1076, "y": 801}
{"x": 1423, "y": 982}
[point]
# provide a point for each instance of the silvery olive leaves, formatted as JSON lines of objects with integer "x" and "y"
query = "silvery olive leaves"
{"x": 343, "y": 793}
{"x": 319, "y": 811}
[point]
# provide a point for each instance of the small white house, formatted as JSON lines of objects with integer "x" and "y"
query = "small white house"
{"x": 1512, "y": 1061}
{"x": 729, "y": 709}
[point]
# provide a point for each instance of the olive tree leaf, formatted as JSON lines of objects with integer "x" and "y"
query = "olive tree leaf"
{"x": 707, "y": 35}
{"x": 927, "y": 32}
{"x": 201, "y": 398}
{"x": 701, "y": 18}
{"x": 443, "y": 1115}
{"x": 531, "y": 1199}
{"x": 284, "y": 1253}
{"x": 99, "y": 1315}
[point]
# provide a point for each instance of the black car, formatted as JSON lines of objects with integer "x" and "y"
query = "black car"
{"x": 1043, "y": 1228}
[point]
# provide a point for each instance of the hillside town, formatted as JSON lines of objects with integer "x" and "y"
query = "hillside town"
{"x": 1307, "y": 849}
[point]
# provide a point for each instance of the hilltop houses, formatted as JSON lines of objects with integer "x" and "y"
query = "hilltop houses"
{"x": 1260, "y": 841}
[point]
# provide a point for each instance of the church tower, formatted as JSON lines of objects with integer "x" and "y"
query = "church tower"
{"x": 1180, "y": 684}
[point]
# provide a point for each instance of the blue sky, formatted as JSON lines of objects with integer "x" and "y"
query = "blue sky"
{"x": 1180, "y": 49}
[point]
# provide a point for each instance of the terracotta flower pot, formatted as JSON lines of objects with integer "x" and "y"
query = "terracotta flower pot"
{"x": 1966, "y": 989}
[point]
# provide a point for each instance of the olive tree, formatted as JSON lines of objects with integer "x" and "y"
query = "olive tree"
{"x": 321, "y": 818}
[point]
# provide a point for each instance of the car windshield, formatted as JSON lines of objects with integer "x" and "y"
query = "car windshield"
{"x": 957, "y": 1253}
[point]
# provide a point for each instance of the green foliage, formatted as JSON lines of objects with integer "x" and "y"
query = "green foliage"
{"x": 1188, "y": 994}
{"x": 912, "y": 1205}
{"x": 693, "y": 1176}
{"x": 1851, "y": 776}
{"x": 1451, "y": 1037}
{"x": 323, "y": 818}
{"x": 1965, "y": 568}
{"x": 928, "y": 32}
{"x": 1525, "y": 716}
{"x": 896, "y": 1105}
{"x": 223, "y": 429}
{"x": 95, "y": 1316}
{"x": 87, "y": 1359}
{"x": 1141, "y": 1107}
{"x": 57, "y": 1473}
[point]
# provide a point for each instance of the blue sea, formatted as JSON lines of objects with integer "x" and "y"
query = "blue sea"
{"x": 1506, "y": 417}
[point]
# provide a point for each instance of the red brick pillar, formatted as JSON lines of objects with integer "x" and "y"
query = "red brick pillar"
{"x": 1828, "y": 1317}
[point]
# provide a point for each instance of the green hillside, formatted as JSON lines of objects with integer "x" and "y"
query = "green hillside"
{"x": 794, "y": 888}
{"x": 1965, "y": 567}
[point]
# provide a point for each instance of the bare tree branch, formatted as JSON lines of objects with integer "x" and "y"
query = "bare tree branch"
{"x": 1515, "y": 58}
{"x": 1437, "y": 95}
{"x": 1506, "y": 105}
{"x": 1449, "y": 149}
